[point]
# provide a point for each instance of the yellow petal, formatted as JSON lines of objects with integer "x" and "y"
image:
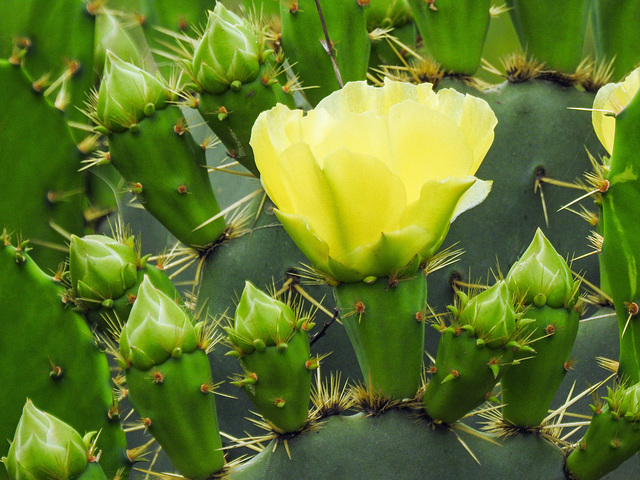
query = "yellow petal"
{"x": 426, "y": 144}
{"x": 611, "y": 100}
{"x": 348, "y": 202}
{"x": 313, "y": 247}
{"x": 358, "y": 97}
{"x": 371, "y": 139}
{"x": 435, "y": 209}
{"x": 473, "y": 197}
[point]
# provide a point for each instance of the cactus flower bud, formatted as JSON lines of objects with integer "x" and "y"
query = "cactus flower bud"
{"x": 625, "y": 402}
{"x": 156, "y": 330}
{"x": 101, "y": 268}
{"x": 127, "y": 94}
{"x": 260, "y": 321}
{"x": 613, "y": 98}
{"x": 227, "y": 52}
{"x": 492, "y": 315}
{"x": 45, "y": 447}
{"x": 542, "y": 276}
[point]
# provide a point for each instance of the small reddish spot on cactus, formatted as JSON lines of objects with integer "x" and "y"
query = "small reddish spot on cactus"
{"x": 420, "y": 316}
{"x": 131, "y": 298}
{"x": 73, "y": 67}
{"x": 158, "y": 377}
{"x": 583, "y": 445}
{"x": 550, "y": 329}
{"x": 432, "y": 5}
{"x": 179, "y": 128}
{"x": 359, "y": 307}
{"x": 56, "y": 372}
{"x": 458, "y": 330}
{"x": 632, "y": 308}
{"x": 207, "y": 387}
{"x": 568, "y": 365}
{"x": 183, "y": 24}
{"x": 114, "y": 412}
{"x": 604, "y": 186}
{"x": 232, "y": 154}
{"x": 363, "y": 3}
{"x": 136, "y": 188}
{"x": 432, "y": 370}
{"x": 146, "y": 422}
{"x": 293, "y": 7}
{"x": 494, "y": 361}
{"x": 455, "y": 373}
{"x": 393, "y": 281}
{"x": 280, "y": 402}
{"x": 182, "y": 189}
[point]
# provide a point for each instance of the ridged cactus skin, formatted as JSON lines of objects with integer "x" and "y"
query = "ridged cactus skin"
{"x": 29, "y": 202}
{"x": 453, "y": 31}
{"x": 303, "y": 41}
{"x": 384, "y": 320}
{"x": 550, "y": 31}
{"x": 621, "y": 242}
{"x": 52, "y": 359}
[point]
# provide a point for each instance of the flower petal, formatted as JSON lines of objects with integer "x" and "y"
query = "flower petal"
{"x": 612, "y": 97}
{"x": 349, "y": 202}
{"x": 426, "y": 145}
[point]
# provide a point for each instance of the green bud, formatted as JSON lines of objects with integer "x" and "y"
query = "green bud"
{"x": 227, "y": 52}
{"x": 261, "y": 321}
{"x": 492, "y": 315}
{"x": 156, "y": 330}
{"x": 125, "y": 92}
{"x": 45, "y": 447}
{"x": 625, "y": 402}
{"x": 540, "y": 273}
{"x": 101, "y": 268}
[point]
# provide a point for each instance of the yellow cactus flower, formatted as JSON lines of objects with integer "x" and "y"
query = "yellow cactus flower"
{"x": 611, "y": 100}
{"x": 368, "y": 182}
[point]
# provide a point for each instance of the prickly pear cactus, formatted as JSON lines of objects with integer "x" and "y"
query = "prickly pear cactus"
{"x": 321, "y": 165}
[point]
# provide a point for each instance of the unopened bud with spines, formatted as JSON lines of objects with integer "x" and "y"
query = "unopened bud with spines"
{"x": 273, "y": 348}
{"x": 157, "y": 329}
{"x": 127, "y": 94}
{"x": 101, "y": 268}
{"x": 227, "y": 52}
{"x": 45, "y": 447}
{"x": 542, "y": 276}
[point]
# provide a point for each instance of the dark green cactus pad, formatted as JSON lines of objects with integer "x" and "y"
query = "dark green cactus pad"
{"x": 528, "y": 387}
{"x": 304, "y": 44}
{"x": 397, "y": 445}
{"x": 166, "y": 171}
{"x": 60, "y": 39}
{"x": 175, "y": 402}
{"x": 49, "y": 355}
{"x": 537, "y": 135}
{"x": 41, "y": 184}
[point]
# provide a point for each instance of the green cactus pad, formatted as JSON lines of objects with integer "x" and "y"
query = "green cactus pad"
{"x": 282, "y": 382}
{"x": 166, "y": 169}
{"x": 550, "y": 31}
{"x": 175, "y": 400}
{"x": 50, "y": 356}
{"x": 385, "y": 323}
{"x": 384, "y": 451}
{"x": 43, "y": 186}
{"x": 453, "y": 31}
{"x": 529, "y": 387}
{"x": 304, "y": 43}
{"x": 621, "y": 241}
